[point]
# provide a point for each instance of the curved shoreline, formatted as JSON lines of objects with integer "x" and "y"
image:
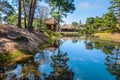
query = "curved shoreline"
{"x": 108, "y": 36}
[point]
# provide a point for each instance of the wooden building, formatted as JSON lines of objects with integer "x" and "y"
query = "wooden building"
{"x": 51, "y": 24}
{"x": 67, "y": 28}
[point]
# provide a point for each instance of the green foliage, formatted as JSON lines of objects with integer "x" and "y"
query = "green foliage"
{"x": 60, "y": 8}
{"x": 89, "y": 45}
{"x": 4, "y": 58}
{"x": 15, "y": 54}
{"x": 24, "y": 16}
{"x": 49, "y": 33}
{"x": 10, "y": 55}
{"x": 115, "y": 7}
{"x": 52, "y": 35}
{"x": 98, "y": 22}
{"x": 12, "y": 19}
{"x": 36, "y": 24}
{"x": 6, "y": 9}
{"x": 106, "y": 23}
{"x": 109, "y": 20}
{"x": 75, "y": 24}
{"x": 46, "y": 44}
{"x": 105, "y": 46}
{"x": 108, "y": 49}
{"x": 90, "y": 20}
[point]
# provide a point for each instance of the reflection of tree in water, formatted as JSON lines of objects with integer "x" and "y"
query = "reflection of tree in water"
{"x": 75, "y": 40}
{"x": 42, "y": 57}
{"x": 60, "y": 67}
{"x": 103, "y": 46}
{"x": 89, "y": 44}
{"x": 113, "y": 64}
{"x": 97, "y": 45}
{"x": 30, "y": 69}
{"x": 26, "y": 71}
{"x": 112, "y": 60}
{"x": 107, "y": 49}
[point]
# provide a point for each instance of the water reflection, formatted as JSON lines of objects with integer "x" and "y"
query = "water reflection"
{"x": 42, "y": 57}
{"x": 46, "y": 65}
{"x": 89, "y": 44}
{"x": 112, "y": 60}
{"x": 69, "y": 60}
{"x": 28, "y": 70}
{"x": 106, "y": 47}
{"x": 113, "y": 63}
{"x": 75, "y": 40}
{"x": 60, "y": 67}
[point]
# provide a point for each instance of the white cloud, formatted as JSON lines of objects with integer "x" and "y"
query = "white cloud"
{"x": 84, "y": 5}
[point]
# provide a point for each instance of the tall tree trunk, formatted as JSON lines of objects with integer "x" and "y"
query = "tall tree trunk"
{"x": 41, "y": 18}
{"x": 33, "y": 5}
{"x": 19, "y": 13}
{"x": 32, "y": 15}
{"x": 25, "y": 24}
{"x": 40, "y": 24}
{"x": 29, "y": 18}
{"x": 119, "y": 16}
{"x": 58, "y": 27}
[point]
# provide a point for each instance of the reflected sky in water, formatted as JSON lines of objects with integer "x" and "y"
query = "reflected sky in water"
{"x": 86, "y": 64}
{"x": 86, "y": 60}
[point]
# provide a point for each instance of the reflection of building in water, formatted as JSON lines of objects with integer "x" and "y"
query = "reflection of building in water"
{"x": 60, "y": 67}
{"x": 113, "y": 64}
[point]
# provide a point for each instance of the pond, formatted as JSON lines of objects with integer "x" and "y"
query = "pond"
{"x": 69, "y": 59}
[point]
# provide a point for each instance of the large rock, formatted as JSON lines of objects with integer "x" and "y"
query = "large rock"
{"x": 13, "y": 38}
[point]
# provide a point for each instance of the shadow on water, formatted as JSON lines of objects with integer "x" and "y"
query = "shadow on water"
{"x": 56, "y": 64}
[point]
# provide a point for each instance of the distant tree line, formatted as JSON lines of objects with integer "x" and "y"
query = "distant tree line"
{"x": 109, "y": 22}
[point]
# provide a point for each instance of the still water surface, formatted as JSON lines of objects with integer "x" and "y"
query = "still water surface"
{"x": 69, "y": 60}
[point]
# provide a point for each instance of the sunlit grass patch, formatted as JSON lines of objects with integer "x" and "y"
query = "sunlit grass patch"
{"x": 108, "y": 36}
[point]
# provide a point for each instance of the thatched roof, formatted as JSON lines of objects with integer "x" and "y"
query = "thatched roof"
{"x": 67, "y": 26}
{"x": 51, "y": 21}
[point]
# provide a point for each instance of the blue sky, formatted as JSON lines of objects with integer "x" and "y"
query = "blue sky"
{"x": 87, "y": 8}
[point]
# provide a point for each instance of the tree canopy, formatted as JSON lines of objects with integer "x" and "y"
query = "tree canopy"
{"x": 60, "y": 8}
{"x": 115, "y": 7}
{"x": 6, "y": 9}
{"x": 29, "y": 11}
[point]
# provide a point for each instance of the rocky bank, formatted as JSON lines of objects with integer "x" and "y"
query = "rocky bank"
{"x": 13, "y": 39}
